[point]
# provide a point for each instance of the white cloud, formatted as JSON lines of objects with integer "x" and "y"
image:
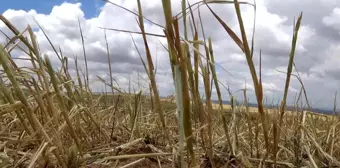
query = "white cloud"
{"x": 273, "y": 36}
{"x": 333, "y": 19}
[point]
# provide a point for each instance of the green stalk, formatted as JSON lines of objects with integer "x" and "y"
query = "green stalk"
{"x": 5, "y": 91}
{"x": 179, "y": 99}
{"x": 257, "y": 85}
{"x": 219, "y": 95}
{"x": 21, "y": 95}
{"x": 36, "y": 125}
{"x": 248, "y": 120}
{"x": 151, "y": 72}
{"x": 85, "y": 57}
{"x": 55, "y": 83}
{"x": 290, "y": 67}
{"x": 209, "y": 113}
{"x": 186, "y": 104}
{"x": 285, "y": 93}
{"x": 109, "y": 62}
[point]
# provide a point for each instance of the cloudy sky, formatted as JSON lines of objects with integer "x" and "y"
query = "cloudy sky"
{"x": 317, "y": 55}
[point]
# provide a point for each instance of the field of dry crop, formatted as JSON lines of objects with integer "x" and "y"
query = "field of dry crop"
{"x": 50, "y": 119}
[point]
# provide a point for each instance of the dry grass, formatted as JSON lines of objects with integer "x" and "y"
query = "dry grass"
{"x": 49, "y": 119}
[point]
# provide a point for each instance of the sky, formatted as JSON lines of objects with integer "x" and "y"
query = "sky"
{"x": 317, "y": 54}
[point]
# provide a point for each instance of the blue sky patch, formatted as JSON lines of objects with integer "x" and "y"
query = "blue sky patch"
{"x": 91, "y": 8}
